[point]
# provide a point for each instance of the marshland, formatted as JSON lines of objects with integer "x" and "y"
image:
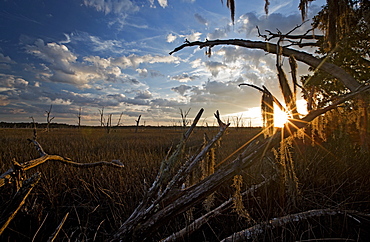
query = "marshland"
{"x": 332, "y": 174}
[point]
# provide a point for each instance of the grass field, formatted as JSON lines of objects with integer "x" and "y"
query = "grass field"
{"x": 334, "y": 174}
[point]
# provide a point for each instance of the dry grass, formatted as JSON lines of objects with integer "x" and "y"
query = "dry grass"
{"x": 99, "y": 199}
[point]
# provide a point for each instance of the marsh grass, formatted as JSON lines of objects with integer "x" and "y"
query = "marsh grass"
{"x": 99, "y": 199}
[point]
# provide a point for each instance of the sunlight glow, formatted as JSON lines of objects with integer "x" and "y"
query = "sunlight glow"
{"x": 280, "y": 118}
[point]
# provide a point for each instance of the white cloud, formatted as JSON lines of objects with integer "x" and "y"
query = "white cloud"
{"x": 112, "y": 6}
{"x": 249, "y": 21}
{"x": 4, "y": 100}
{"x": 145, "y": 73}
{"x": 68, "y": 39}
{"x": 11, "y": 81}
{"x": 135, "y": 60}
{"x": 143, "y": 95}
{"x": 63, "y": 65}
{"x": 195, "y": 36}
{"x": 171, "y": 38}
{"x": 106, "y": 45}
{"x": 219, "y": 33}
{"x": 163, "y": 3}
{"x": 196, "y": 63}
{"x": 185, "y": 77}
{"x": 215, "y": 67}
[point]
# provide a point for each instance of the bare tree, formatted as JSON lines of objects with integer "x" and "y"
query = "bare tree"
{"x": 48, "y": 119}
{"x": 102, "y": 120}
{"x": 109, "y": 123}
{"x": 79, "y": 117}
{"x": 238, "y": 121}
{"x": 184, "y": 115}
{"x": 119, "y": 120}
{"x": 137, "y": 123}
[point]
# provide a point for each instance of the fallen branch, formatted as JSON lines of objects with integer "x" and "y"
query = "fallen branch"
{"x": 7, "y": 177}
{"x": 254, "y": 231}
{"x": 194, "y": 226}
{"x": 17, "y": 201}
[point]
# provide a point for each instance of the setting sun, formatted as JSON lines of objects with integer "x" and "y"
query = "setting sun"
{"x": 280, "y": 118}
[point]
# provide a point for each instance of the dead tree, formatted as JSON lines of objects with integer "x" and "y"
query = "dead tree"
{"x": 48, "y": 119}
{"x": 137, "y": 123}
{"x": 79, "y": 117}
{"x": 119, "y": 120}
{"x": 102, "y": 120}
{"x": 109, "y": 123}
{"x": 184, "y": 115}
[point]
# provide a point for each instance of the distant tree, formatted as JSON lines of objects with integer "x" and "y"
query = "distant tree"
{"x": 102, "y": 120}
{"x": 48, "y": 118}
{"x": 184, "y": 115}
{"x": 119, "y": 120}
{"x": 137, "y": 123}
{"x": 79, "y": 117}
{"x": 109, "y": 123}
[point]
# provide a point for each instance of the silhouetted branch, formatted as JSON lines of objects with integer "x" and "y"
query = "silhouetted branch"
{"x": 332, "y": 69}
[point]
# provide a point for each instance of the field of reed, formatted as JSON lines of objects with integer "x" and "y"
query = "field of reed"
{"x": 330, "y": 175}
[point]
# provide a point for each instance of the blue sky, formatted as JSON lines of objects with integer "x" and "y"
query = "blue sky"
{"x": 113, "y": 54}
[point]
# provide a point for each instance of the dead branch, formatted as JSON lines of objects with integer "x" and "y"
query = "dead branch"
{"x": 194, "y": 226}
{"x": 56, "y": 232}
{"x": 17, "y": 201}
{"x": 119, "y": 120}
{"x": 332, "y": 69}
{"x": 48, "y": 119}
{"x": 7, "y": 177}
{"x": 266, "y": 91}
{"x": 141, "y": 222}
{"x": 252, "y": 232}
{"x": 149, "y": 216}
{"x": 137, "y": 123}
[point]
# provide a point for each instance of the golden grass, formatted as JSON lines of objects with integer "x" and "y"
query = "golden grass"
{"x": 99, "y": 199}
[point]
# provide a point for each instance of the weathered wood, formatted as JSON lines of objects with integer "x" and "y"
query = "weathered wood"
{"x": 149, "y": 217}
{"x": 252, "y": 232}
{"x": 334, "y": 70}
{"x": 57, "y": 230}
{"x": 194, "y": 226}
{"x": 17, "y": 201}
{"x": 6, "y": 177}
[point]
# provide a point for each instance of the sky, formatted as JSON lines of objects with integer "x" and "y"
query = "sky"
{"x": 113, "y": 55}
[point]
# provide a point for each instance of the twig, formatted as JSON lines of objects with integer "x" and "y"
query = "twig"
{"x": 56, "y": 232}
{"x": 265, "y": 90}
